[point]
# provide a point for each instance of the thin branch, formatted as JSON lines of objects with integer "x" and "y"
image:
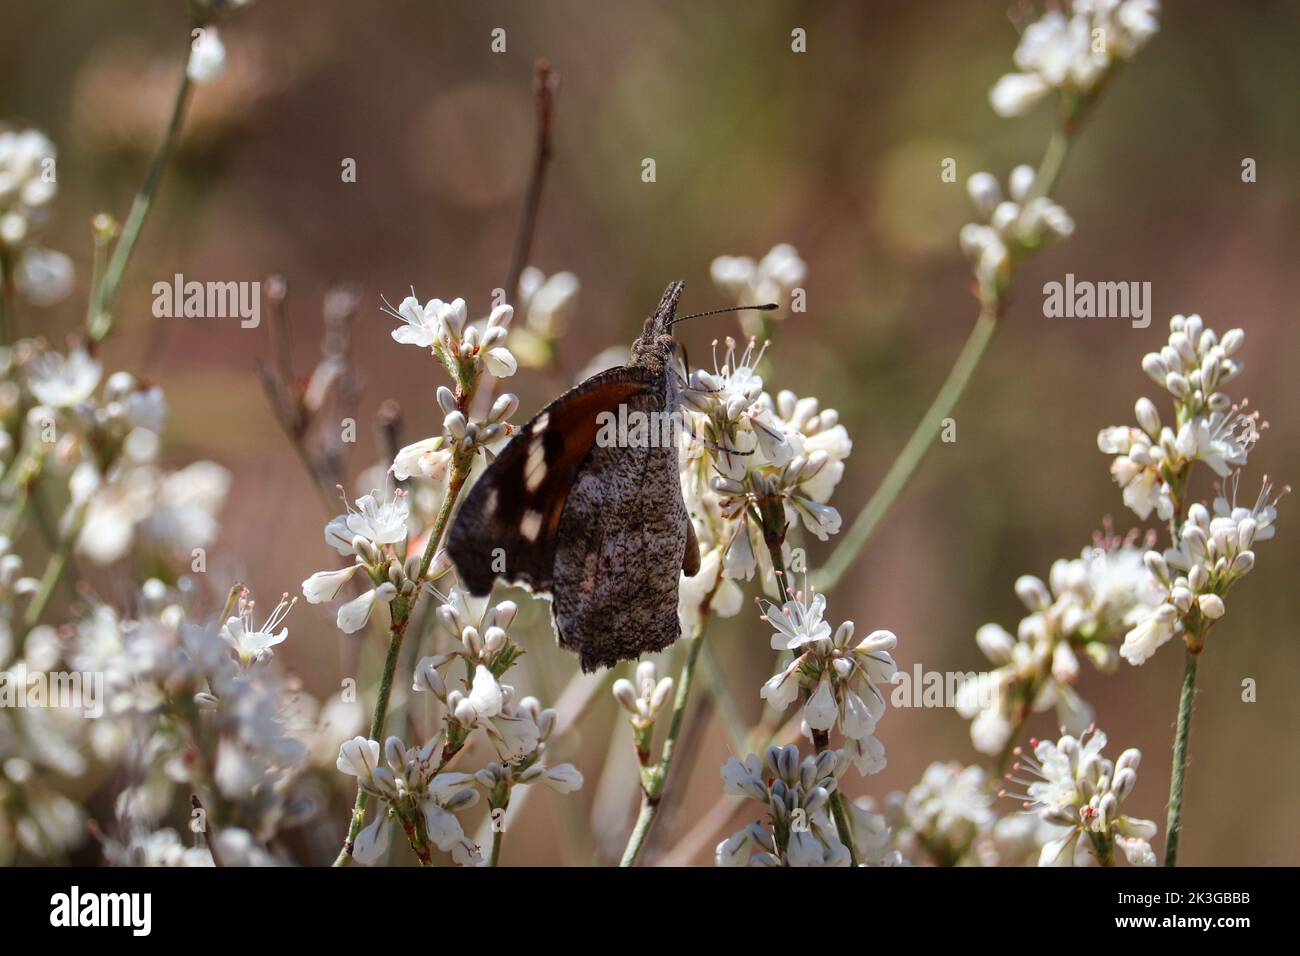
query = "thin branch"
{"x": 545, "y": 83}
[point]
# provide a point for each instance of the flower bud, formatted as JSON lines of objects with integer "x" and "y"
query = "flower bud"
{"x": 446, "y": 400}
{"x": 1211, "y": 606}
{"x": 1148, "y": 417}
{"x": 1155, "y": 367}
{"x": 625, "y": 694}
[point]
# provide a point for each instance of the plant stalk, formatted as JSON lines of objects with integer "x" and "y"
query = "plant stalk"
{"x": 1174, "y": 822}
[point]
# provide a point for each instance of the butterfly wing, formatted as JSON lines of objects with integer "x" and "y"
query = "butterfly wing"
{"x": 624, "y": 535}
{"x": 508, "y": 523}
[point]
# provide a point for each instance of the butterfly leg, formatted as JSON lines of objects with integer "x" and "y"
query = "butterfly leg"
{"x": 691, "y": 558}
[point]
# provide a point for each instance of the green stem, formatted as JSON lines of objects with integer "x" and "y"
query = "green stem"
{"x": 1174, "y": 822}
{"x": 900, "y": 472}
{"x": 653, "y": 788}
{"x": 402, "y": 608}
{"x": 498, "y": 837}
{"x": 822, "y": 741}
{"x": 101, "y": 322}
{"x": 54, "y": 568}
{"x": 1049, "y": 168}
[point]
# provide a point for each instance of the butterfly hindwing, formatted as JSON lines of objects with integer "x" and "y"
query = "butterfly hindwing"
{"x": 507, "y": 524}
{"x": 624, "y": 536}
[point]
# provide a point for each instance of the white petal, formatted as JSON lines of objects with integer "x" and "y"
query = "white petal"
{"x": 1015, "y": 93}
{"x": 485, "y": 694}
{"x": 353, "y": 615}
{"x": 325, "y": 585}
{"x": 821, "y": 711}
{"x": 372, "y": 842}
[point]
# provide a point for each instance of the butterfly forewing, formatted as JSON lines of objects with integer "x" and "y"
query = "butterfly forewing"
{"x": 507, "y": 524}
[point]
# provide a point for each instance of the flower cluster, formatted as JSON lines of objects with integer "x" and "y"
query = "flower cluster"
{"x": 1153, "y": 460}
{"x": 1212, "y": 545}
{"x": 797, "y": 794}
{"x": 943, "y": 817}
{"x": 418, "y": 793}
{"x": 643, "y": 700}
{"x": 774, "y": 278}
{"x": 1071, "y": 785}
{"x": 374, "y": 534}
{"x": 1082, "y": 609}
{"x": 481, "y": 644}
{"x": 28, "y": 185}
{"x": 194, "y": 706}
{"x": 1013, "y": 227}
{"x": 467, "y": 351}
{"x": 755, "y": 464}
{"x": 422, "y": 801}
{"x": 465, "y": 348}
{"x": 545, "y": 304}
{"x": 839, "y": 681}
{"x": 1073, "y": 50}
{"x": 1213, "y": 553}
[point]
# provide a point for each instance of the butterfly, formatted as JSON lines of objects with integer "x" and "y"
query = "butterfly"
{"x": 599, "y": 524}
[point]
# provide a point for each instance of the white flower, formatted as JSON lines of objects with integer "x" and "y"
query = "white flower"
{"x": 771, "y": 279}
{"x": 355, "y": 614}
{"x": 183, "y": 513}
{"x": 1073, "y": 49}
{"x": 545, "y": 302}
{"x": 842, "y": 681}
{"x": 444, "y": 328}
{"x": 251, "y": 644}
{"x": 371, "y": 845}
{"x": 423, "y": 322}
{"x": 821, "y": 710}
{"x": 358, "y": 758}
{"x": 1022, "y": 223}
{"x": 26, "y": 166}
{"x": 485, "y": 694}
{"x": 429, "y": 458}
{"x": 564, "y": 778}
{"x": 381, "y": 522}
{"x": 945, "y": 813}
{"x": 1075, "y": 787}
{"x": 207, "y": 56}
{"x": 1016, "y": 93}
{"x": 793, "y": 790}
{"x": 62, "y": 382}
{"x": 325, "y": 585}
{"x": 44, "y": 276}
{"x": 647, "y": 696}
{"x": 798, "y": 622}
{"x": 1149, "y": 634}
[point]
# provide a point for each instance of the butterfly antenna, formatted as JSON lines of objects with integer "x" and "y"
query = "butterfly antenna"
{"x": 769, "y": 307}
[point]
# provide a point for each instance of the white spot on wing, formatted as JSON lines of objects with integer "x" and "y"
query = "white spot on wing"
{"x": 543, "y": 420}
{"x": 531, "y": 526}
{"x": 535, "y": 464}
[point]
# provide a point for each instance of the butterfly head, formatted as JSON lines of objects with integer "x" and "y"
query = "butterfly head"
{"x": 654, "y": 349}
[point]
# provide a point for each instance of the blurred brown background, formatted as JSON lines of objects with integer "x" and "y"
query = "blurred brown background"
{"x": 836, "y": 151}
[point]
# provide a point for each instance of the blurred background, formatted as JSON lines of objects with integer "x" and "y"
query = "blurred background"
{"x": 836, "y": 151}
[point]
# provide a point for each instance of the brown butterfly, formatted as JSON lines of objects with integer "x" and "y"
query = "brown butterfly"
{"x": 600, "y": 525}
